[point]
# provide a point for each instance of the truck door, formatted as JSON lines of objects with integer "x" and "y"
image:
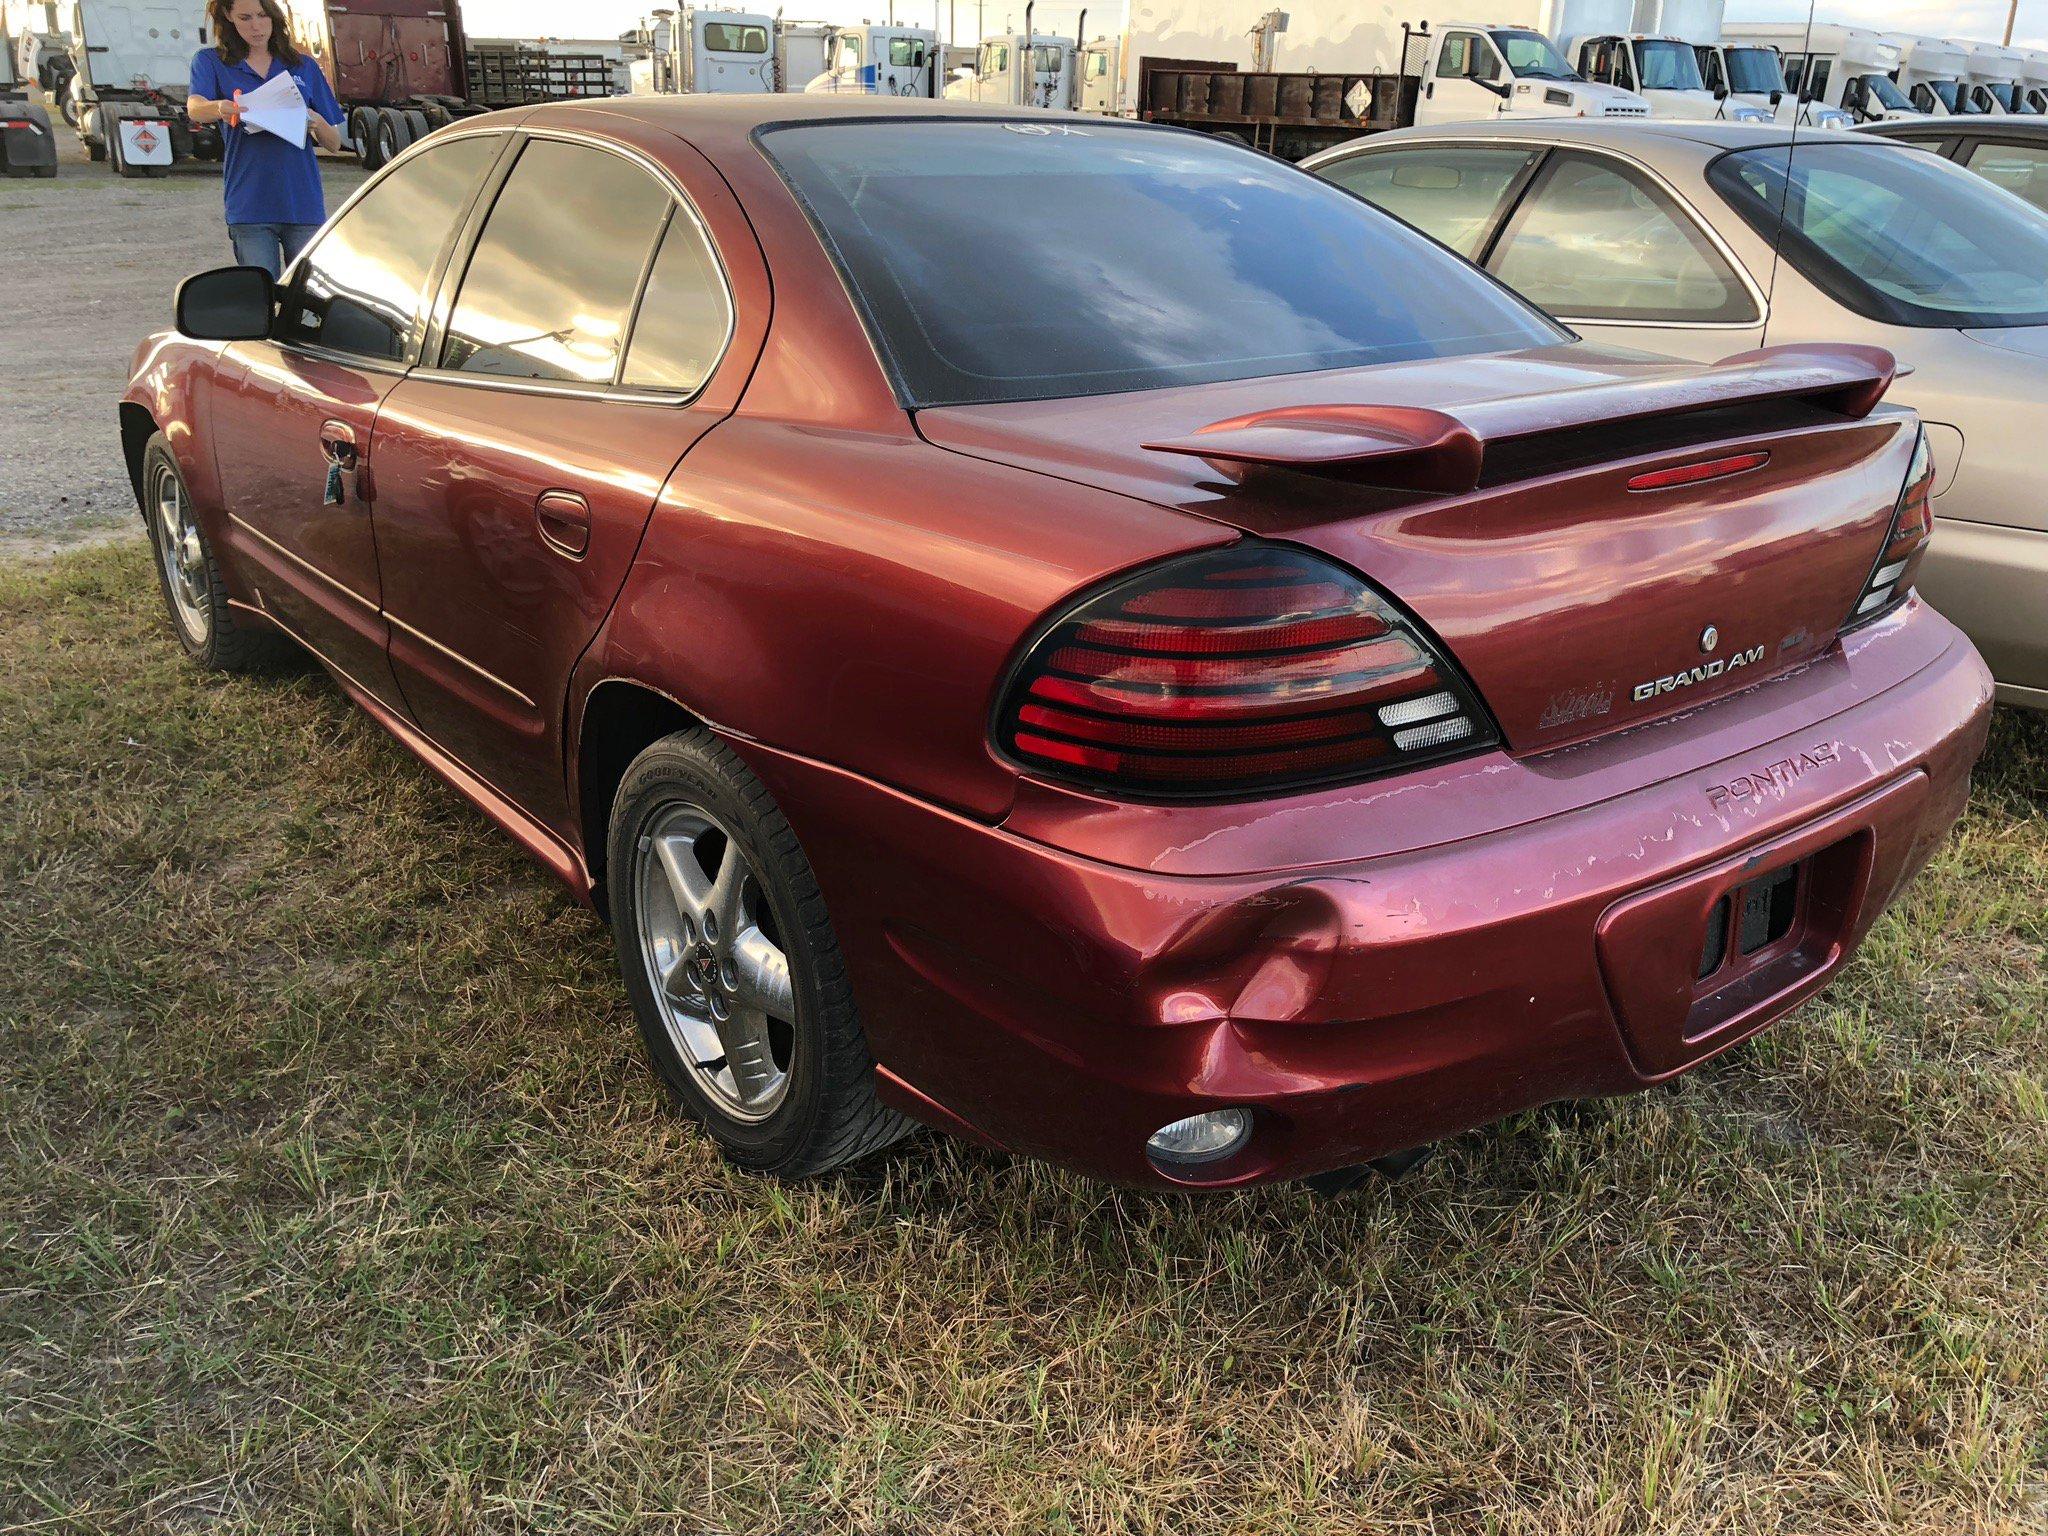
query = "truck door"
{"x": 730, "y": 56}
{"x": 1461, "y": 72}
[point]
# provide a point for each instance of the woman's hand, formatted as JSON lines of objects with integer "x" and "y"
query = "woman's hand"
{"x": 204, "y": 109}
{"x": 325, "y": 134}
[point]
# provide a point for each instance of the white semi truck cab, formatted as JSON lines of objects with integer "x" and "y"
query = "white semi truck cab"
{"x": 1477, "y": 70}
{"x": 1753, "y": 75}
{"x": 1664, "y": 71}
{"x": 726, "y": 52}
{"x": 880, "y": 61}
{"x": 1024, "y": 69}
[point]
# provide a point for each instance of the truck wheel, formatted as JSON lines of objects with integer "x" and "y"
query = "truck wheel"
{"x": 390, "y": 131}
{"x": 437, "y": 115}
{"x": 416, "y": 121}
{"x": 362, "y": 132}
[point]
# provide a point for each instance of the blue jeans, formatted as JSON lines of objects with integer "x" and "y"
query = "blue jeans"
{"x": 269, "y": 246}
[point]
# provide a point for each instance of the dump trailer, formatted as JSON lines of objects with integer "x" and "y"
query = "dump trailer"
{"x": 402, "y": 68}
{"x": 132, "y": 68}
{"x": 28, "y": 145}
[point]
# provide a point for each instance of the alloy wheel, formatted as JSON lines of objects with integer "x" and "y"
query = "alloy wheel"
{"x": 715, "y": 960}
{"x": 183, "y": 557}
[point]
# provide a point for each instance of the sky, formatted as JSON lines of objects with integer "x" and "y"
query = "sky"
{"x": 1982, "y": 19}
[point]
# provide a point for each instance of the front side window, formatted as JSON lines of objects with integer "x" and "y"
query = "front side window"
{"x": 1175, "y": 259}
{"x": 2021, "y": 169}
{"x": 1450, "y": 194}
{"x": 733, "y": 37}
{"x": 1454, "y": 61}
{"x": 361, "y": 288}
{"x": 1595, "y": 240}
{"x": 1530, "y": 56}
{"x": 1909, "y": 239}
{"x": 1668, "y": 66}
{"x": 550, "y": 287}
{"x": 1710, "y": 67}
{"x": 685, "y": 315}
{"x": 1098, "y": 65}
{"x": 849, "y": 52}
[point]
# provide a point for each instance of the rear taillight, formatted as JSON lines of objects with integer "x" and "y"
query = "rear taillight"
{"x": 1891, "y": 579}
{"x": 1250, "y": 668}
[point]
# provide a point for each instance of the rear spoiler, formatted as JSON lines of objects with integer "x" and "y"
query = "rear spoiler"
{"x": 1416, "y": 448}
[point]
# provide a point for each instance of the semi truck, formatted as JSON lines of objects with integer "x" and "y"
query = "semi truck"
{"x": 28, "y": 145}
{"x": 880, "y": 61}
{"x": 132, "y": 65}
{"x": 1844, "y": 71}
{"x": 402, "y": 68}
{"x": 1297, "y": 81}
{"x": 747, "y": 52}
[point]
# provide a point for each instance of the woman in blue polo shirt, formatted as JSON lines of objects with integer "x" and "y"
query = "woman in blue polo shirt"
{"x": 272, "y": 186}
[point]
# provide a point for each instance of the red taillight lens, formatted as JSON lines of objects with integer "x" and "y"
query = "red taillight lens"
{"x": 1891, "y": 579}
{"x": 1248, "y": 668}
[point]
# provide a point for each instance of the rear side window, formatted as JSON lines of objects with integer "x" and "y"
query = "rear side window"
{"x": 1593, "y": 240}
{"x": 361, "y": 288}
{"x": 1025, "y": 260}
{"x": 1450, "y": 195}
{"x": 685, "y": 315}
{"x": 2021, "y": 169}
{"x": 550, "y": 286}
{"x": 731, "y": 37}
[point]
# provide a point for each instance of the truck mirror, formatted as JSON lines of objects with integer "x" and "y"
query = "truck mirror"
{"x": 226, "y": 304}
{"x": 1720, "y": 93}
{"x": 1776, "y": 97}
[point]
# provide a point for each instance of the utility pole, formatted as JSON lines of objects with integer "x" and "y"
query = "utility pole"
{"x": 2012, "y": 14}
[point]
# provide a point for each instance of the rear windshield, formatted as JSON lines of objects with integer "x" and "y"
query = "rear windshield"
{"x": 1026, "y": 260}
{"x": 1903, "y": 237}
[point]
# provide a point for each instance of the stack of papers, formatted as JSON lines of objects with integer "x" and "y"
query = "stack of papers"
{"x": 276, "y": 106}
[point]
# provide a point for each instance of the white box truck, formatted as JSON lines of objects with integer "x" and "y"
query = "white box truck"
{"x": 1845, "y": 71}
{"x": 1993, "y": 73}
{"x": 1655, "y": 52}
{"x": 1931, "y": 74}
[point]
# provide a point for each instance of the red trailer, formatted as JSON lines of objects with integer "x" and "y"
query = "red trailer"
{"x": 400, "y": 69}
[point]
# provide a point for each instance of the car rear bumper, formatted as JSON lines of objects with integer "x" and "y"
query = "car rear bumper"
{"x": 1993, "y": 581}
{"x": 1066, "y": 1001}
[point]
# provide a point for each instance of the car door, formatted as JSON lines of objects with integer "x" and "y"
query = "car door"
{"x": 1614, "y": 254}
{"x": 294, "y": 416}
{"x": 568, "y": 372}
{"x": 1454, "y": 93}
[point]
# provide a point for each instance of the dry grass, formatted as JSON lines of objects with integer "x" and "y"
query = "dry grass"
{"x": 334, "y": 1196}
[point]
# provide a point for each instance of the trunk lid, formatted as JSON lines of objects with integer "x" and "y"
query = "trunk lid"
{"x": 1495, "y": 503}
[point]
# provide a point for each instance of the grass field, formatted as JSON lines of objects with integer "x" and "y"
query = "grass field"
{"x": 334, "y": 1196}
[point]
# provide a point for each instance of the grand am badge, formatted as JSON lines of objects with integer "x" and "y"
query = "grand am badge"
{"x": 1705, "y": 672}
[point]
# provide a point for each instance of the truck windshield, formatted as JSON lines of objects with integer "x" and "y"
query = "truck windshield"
{"x": 1947, "y": 92}
{"x": 1882, "y": 90}
{"x": 2007, "y": 95}
{"x": 1905, "y": 239}
{"x": 1012, "y": 259}
{"x": 1754, "y": 71}
{"x": 1530, "y": 56}
{"x": 1668, "y": 66}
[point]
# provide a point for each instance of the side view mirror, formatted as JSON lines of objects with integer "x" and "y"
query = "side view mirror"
{"x": 1776, "y": 97}
{"x": 1498, "y": 89}
{"x": 226, "y": 304}
{"x": 1720, "y": 93}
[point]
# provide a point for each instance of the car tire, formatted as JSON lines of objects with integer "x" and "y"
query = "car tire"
{"x": 189, "y": 575}
{"x": 789, "y": 1096}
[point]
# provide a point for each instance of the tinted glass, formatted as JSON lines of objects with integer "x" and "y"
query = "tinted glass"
{"x": 1449, "y": 194}
{"x": 1901, "y": 236}
{"x": 2007, "y": 96}
{"x": 551, "y": 283}
{"x": 730, "y": 37}
{"x": 2021, "y": 169}
{"x": 1594, "y": 241}
{"x": 1754, "y": 71}
{"x": 1668, "y": 66}
{"x": 361, "y": 288}
{"x": 1883, "y": 90}
{"x": 684, "y": 315}
{"x": 1024, "y": 260}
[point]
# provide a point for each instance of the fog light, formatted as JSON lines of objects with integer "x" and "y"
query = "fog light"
{"x": 1201, "y": 1138}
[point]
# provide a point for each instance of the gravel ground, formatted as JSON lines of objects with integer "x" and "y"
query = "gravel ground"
{"x": 88, "y": 263}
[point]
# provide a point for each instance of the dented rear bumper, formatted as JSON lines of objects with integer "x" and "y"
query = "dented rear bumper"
{"x": 1375, "y": 967}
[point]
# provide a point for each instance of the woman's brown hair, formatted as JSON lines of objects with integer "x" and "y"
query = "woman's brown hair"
{"x": 222, "y": 14}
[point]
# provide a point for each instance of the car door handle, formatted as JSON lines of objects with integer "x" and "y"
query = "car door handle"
{"x": 338, "y": 443}
{"x": 563, "y": 518}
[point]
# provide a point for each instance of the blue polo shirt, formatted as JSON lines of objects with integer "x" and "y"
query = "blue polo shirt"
{"x": 264, "y": 179}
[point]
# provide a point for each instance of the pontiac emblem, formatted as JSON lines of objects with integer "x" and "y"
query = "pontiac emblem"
{"x": 1710, "y": 637}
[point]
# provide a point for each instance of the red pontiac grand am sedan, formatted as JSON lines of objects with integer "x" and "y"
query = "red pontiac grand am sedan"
{"x": 1072, "y": 632}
